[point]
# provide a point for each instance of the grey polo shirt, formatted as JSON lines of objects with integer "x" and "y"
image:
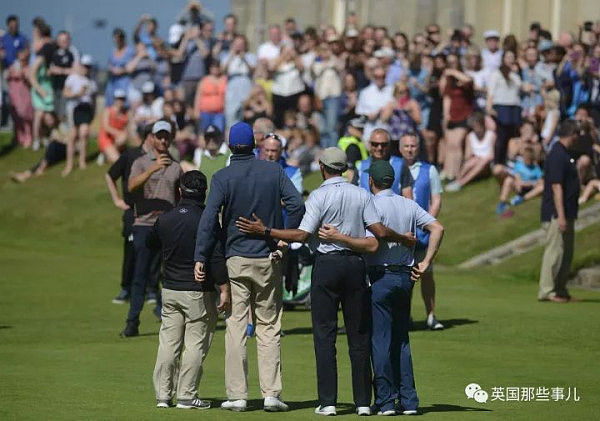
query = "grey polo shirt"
{"x": 402, "y": 215}
{"x": 338, "y": 203}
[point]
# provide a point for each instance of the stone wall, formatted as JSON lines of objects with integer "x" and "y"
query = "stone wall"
{"x": 410, "y": 16}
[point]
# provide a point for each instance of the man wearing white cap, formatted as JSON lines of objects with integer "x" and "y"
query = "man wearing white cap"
{"x": 491, "y": 55}
{"x": 154, "y": 179}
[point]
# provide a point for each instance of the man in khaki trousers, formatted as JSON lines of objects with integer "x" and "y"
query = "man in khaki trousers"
{"x": 559, "y": 211}
{"x": 189, "y": 310}
{"x": 250, "y": 186}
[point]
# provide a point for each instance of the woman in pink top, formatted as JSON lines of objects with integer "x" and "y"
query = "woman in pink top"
{"x": 20, "y": 98}
{"x": 209, "y": 104}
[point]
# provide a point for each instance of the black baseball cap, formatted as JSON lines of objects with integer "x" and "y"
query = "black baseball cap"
{"x": 213, "y": 132}
{"x": 381, "y": 172}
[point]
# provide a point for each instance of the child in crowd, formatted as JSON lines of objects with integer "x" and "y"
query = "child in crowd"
{"x": 479, "y": 153}
{"x": 526, "y": 181}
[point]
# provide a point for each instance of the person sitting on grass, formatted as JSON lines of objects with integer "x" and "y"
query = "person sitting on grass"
{"x": 479, "y": 152}
{"x": 593, "y": 186}
{"x": 526, "y": 181}
{"x": 55, "y": 152}
{"x": 113, "y": 128}
{"x": 527, "y": 137}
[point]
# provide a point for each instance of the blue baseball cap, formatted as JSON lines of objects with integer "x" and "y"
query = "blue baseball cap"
{"x": 241, "y": 134}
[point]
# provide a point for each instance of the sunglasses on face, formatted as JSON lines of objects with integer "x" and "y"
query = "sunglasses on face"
{"x": 380, "y": 144}
{"x": 273, "y": 135}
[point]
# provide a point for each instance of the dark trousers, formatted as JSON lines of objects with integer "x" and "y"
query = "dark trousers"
{"x": 128, "y": 266}
{"x": 392, "y": 361}
{"x": 507, "y": 126}
{"x": 341, "y": 279}
{"x": 144, "y": 257}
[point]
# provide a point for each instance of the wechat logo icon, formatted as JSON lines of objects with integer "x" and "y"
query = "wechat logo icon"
{"x": 474, "y": 391}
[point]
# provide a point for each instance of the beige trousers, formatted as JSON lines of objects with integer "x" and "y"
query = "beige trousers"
{"x": 557, "y": 259}
{"x": 189, "y": 319}
{"x": 256, "y": 283}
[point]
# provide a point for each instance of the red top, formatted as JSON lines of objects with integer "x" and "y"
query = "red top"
{"x": 210, "y": 96}
{"x": 461, "y": 100}
{"x": 115, "y": 120}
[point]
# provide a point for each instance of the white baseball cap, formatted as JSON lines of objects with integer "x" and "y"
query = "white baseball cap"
{"x": 148, "y": 87}
{"x": 160, "y": 126}
{"x": 491, "y": 34}
{"x": 86, "y": 60}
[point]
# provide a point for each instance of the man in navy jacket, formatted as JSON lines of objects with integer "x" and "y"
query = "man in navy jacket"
{"x": 250, "y": 186}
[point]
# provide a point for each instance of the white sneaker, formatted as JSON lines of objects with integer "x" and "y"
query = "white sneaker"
{"x": 325, "y": 410}
{"x": 164, "y": 404}
{"x": 388, "y": 413}
{"x": 453, "y": 187}
{"x": 237, "y": 405}
{"x": 409, "y": 412}
{"x": 364, "y": 411}
{"x": 274, "y": 404}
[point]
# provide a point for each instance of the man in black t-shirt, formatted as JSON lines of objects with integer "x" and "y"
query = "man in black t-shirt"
{"x": 61, "y": 65}
{"x": 121, "y": 169}
{"x": 559, "y": 211}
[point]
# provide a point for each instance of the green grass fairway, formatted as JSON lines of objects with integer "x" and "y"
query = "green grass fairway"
{"x": 61, "y": 357}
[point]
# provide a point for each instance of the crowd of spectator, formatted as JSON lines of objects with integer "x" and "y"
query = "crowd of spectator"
{"x": 479, "y": 110}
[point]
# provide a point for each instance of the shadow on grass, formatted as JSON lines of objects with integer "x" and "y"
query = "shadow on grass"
{"x": 257, "y": 404}
{"x": 443, "y": 407}
{"x": 5, "y": 327}
{"x": 448, "y": 324}
{"x": 305, "y": 330}
{"x": 6, "y": 148}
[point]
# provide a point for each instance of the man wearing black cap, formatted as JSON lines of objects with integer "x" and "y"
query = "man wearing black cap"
{"x": 189, "y": 310}
{"x": 156, "y": 174}
{"x": 338, "y": 274}
{"x": 245, "y": 187}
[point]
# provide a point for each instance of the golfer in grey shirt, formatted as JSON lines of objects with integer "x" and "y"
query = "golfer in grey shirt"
{"x": 392, "y": 275}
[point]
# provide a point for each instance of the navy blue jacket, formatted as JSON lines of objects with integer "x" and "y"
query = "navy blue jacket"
{"x": 247, "y": 186}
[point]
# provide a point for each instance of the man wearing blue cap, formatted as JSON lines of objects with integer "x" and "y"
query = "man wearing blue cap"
{"x": 249, "y": 186}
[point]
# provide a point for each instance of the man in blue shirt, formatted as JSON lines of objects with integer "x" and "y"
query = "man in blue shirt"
{"x": 249, "y": 186}
{"x": 12, "y": 41}
{"x": 379, "y": 144}
{"x": 273, "y": 151}
{"x": 427, "y": 192}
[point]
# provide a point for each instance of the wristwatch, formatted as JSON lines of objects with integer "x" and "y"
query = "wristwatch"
{"x": 267, "y": 232}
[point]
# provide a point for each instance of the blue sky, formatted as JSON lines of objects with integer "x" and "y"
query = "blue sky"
{"x": 79, "y": 16}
